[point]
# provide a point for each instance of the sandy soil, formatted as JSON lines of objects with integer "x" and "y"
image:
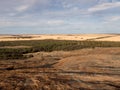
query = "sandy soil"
{"x": 94, "y": 37}
{"x": 85, "y": 69}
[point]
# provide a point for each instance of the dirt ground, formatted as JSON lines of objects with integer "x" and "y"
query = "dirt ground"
{"x": 85, "y": 69}
{"x": 93, "y": 37}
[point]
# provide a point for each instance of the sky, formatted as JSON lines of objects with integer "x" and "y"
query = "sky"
{"x": 59, "y": 16}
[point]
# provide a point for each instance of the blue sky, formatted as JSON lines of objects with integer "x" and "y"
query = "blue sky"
{"x": 59, "y": 16}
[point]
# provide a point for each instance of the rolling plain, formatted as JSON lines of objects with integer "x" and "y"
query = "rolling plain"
{"x": 60, "y": 62}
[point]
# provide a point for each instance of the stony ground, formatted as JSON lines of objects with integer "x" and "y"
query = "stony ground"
{"x": 85, "y": 69}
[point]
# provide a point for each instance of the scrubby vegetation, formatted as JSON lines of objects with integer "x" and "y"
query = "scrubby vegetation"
{"x": 8, "y": 53}
{"x": 47, "y": 45}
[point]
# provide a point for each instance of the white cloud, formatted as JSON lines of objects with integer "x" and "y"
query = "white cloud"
{"x": 13, "y": 23}
{"x": 26, "y": 4}
{"x": 22, "y": 8}
{"x": 111, "y": 19}
{"x": 55, "y": 22}
{"x": 115, "y": 18}
{"x": 42, "y": 23}
{"x": 104, "y": 6}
